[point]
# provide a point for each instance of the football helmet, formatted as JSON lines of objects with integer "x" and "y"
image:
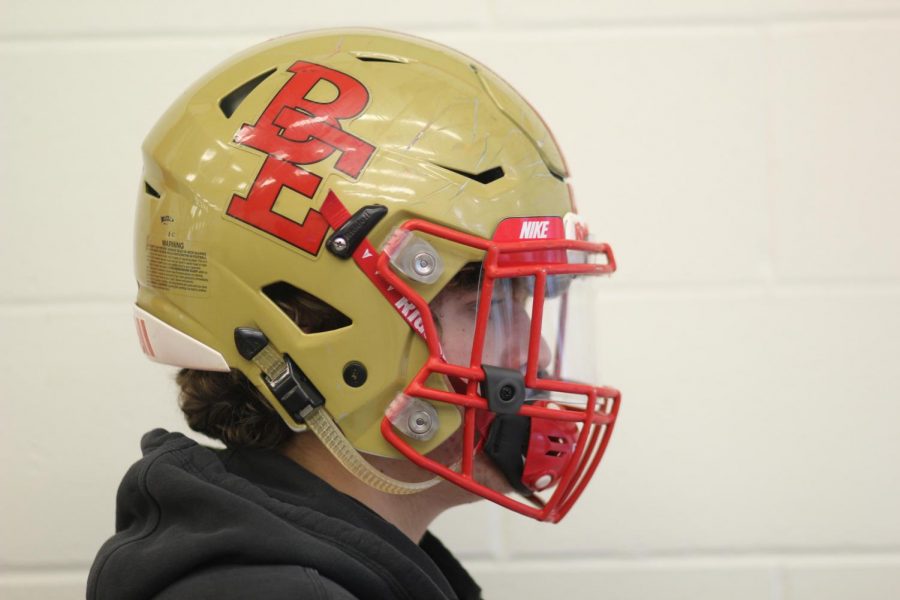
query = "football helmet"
{"x": 416, "y": 194}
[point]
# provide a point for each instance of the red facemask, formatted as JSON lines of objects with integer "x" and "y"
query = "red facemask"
{"x": 533, "y": 416}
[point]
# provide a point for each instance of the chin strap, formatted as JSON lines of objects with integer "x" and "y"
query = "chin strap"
{"x": 321, "y": 424}
{"x": 299, "y": 397}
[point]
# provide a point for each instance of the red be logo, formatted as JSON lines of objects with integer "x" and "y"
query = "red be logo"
{"x": 295, "y": 131}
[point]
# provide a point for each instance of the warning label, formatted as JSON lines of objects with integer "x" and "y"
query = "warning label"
{"x": 175, "y": 266}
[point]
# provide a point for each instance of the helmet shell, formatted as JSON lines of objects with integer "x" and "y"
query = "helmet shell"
{"x": 375, "y": 118}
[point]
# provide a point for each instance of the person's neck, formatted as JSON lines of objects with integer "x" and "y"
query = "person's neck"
{"x": 412, "y": 514}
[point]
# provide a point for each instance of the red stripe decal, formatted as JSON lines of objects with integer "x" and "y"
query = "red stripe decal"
{"x": 366, "y": 258}
{"x": 145, "y": 338}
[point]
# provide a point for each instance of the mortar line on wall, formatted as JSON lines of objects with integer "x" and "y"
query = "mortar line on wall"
{"x": 43, "y": 307}
{"x": 759, "y": 290}
{"x": 779, "y": 589}
{"x": 770, "y": 224}
{"x": 129, "y": 35}
{"x": 758, "y": 557}
{"x": 636, "y": 24}
{"x": 779, "y": 561}
{"x": 707, "y": 22}
{"x": 496, "y": 535}
{"x": 59, "y": 570}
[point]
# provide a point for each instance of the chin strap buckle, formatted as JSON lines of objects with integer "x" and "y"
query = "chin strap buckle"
{"x": 294, "y": 390}
{"x": 290, "y": 386}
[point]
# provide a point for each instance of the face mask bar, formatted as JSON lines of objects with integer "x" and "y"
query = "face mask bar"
{"x": 587, "y": 427}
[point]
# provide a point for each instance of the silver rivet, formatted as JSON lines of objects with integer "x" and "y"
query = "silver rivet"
{"x": 423, "y": 263}
{"x": 339, "y": 244}
{"x": 419, "y": 422}
{"x": 543, "y": 481}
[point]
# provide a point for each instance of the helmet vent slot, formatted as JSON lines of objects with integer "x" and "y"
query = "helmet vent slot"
{"x": 383, "y": 58}
{"x": 555, "y": 174}
{"x": 309, "y": 313}
{"x": 485, "y": 177}
{"x": 150, "y": 191}
{"x": 230, "y": 102}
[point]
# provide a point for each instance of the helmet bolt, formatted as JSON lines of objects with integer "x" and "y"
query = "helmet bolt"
{"x": 419, "y": 422}
{"x": 339, "y": 244}
{"x": 507, "y": 393}
{"x": 355, "y": 374}
{"x": 424, "y": 263}
{"x": 543, "y": 481}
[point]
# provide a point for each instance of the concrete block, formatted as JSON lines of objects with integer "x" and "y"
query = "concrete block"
{"x": 841, "y": 577}
{"x": 748, "y": 424}
{"x": 472, "y": 531}
{"x": 77, "y": 396}
{"x": 73, "y": 121}
{"x": 623, "y": 580}
{"x": 664, "y": 132}
{"x": 43, "y": 584}
{"x": 836, "y": 147}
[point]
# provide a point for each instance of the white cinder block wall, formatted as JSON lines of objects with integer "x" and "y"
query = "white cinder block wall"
{"x": 742, "y": 157}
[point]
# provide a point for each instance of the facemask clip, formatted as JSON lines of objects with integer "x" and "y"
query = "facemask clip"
{"x": 504, "y": 389}
{"x": 414, "y": 257}
{"x": 414, "y": 418}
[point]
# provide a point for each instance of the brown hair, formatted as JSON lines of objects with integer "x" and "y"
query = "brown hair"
{"x": 227, "y": 406}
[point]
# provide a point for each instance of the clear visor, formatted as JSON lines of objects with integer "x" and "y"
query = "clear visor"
{"x": 558, "y": 347}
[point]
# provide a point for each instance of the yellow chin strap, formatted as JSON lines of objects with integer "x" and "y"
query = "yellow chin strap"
{"x": 287, "y": 383}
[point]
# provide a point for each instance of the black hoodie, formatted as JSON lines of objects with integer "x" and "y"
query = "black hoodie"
{"x": 195, "y": 523}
